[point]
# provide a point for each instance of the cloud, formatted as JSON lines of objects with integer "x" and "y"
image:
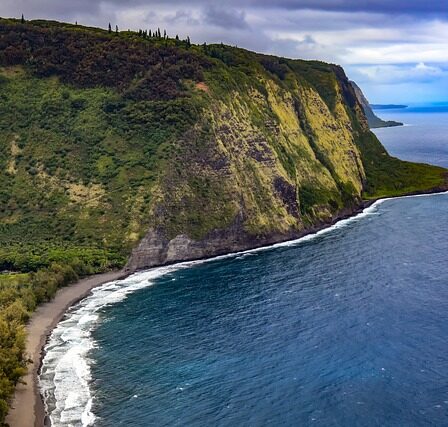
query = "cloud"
{"x": 225, "y": 18}
{"x": 378, "y": 6}
{"x": 377, "y": 41}
{"x": 398, "y": 74}
{"x": 181, "y": 17}
{"x": 398, "y": 53}
{"x": 233, "y": 8}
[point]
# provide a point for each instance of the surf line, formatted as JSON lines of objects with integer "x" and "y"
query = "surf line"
{"x": 66, "y": 372}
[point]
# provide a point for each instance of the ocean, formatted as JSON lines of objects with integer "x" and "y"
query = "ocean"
{"x": 343, "y": 328}
{"x": 424, "y": 136}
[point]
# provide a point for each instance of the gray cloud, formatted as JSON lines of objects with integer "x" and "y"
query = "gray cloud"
{"x": 225, "y": 18}
{"x": 378, "y": 41}
{"x": 182, "y": 17}
{"x": 401, "y": 7}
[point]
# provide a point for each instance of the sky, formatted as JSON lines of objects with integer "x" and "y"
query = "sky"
{"x": 396, "y": 50}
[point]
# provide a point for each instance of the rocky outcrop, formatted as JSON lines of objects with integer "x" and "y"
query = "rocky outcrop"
{"x": 155, "y": 249}
{"x": 373, "y": 120}
{"x": 267, "y": 163}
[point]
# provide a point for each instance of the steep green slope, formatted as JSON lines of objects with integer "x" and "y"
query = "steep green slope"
{"x": 106, "y": 136}
{"x": 112, "y": 143}
{"x": 393, "y": 177}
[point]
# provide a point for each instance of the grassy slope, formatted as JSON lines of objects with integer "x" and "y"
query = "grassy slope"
{"x": 391, "y": 177}
{"x": 77, "y": 178}
{"x": 105, "y": 135}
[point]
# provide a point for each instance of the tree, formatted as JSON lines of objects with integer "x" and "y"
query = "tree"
{"x": 22, "y": 20}
{"x": 150, "y": 33}
{"x": 116, "y": 29}
{"x": 110, "y": 28}
{"x": 164, "y": 34}
{"x": 188, "y": 41}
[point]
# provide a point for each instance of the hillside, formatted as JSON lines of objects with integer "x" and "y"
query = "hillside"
{"x": 372, "y": 119}
{"x": 112, "y": 143}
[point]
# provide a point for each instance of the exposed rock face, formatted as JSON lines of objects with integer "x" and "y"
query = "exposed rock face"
{"x": 267, "y": 163}
{"x": 156, "y": 249}
{"x": 373, "y": 120}
{"x": 177, "y": 151}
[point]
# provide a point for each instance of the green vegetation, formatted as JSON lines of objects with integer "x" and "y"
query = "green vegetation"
{"x": 19, "y": 296}
{"x": 393, "y": 177}
{"x": 105, "y": 135}
{"x": 80, "y": 154}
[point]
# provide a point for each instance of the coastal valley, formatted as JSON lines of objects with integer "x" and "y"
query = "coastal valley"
{"x": 127, "y": 150}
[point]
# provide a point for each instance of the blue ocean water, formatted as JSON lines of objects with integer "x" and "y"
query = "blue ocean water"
{"x": 424, "y": 138}
{"x": 346, "y": 328}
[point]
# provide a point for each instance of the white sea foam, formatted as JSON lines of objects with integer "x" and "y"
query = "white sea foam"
{"x": 65, "y": 376}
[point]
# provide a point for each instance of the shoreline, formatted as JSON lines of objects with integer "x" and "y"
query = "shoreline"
{"x": 27, "y": 406}
{"x": 48, "y": 315}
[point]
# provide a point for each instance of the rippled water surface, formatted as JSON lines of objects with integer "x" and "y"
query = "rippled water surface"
{"x": 424, "y": 138}
{"x": 348, "y": 328}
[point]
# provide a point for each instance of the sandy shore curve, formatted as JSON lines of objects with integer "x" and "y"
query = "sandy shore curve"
{"x": 27, "y": 408}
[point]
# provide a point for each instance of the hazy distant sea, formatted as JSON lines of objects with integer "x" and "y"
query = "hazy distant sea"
{"x": 424, "y": 138}
{"x": 346, "y": 328}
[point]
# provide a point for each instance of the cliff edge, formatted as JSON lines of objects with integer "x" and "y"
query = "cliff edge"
{"x": 118, "y": 143}
{"x": 373, "y": 120}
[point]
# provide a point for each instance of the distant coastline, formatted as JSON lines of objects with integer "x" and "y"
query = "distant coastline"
{"x": 388, "y": 106}
{"x": 373, "y": 120}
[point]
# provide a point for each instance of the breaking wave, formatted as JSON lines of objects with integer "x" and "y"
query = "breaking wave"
{"x": 65, "y": 373}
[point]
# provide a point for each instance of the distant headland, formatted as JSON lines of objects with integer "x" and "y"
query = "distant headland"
{"x": 372, "y": 119}
{"x": 387, "y": 106}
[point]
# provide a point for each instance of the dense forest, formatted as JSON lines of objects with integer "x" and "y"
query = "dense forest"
{"x": 105, "y": 134}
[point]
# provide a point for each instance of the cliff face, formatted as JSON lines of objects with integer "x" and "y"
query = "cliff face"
{"x": 265, "y": 162}
{"x": 112, "y": 143}
{"x": 373, "y": 120}
{"x": 120, "y": 147}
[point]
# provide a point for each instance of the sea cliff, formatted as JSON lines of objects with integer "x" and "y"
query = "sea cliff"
{"x": 372, "y": 119}
{"x": 120, "y": 142}
{"x": 124, "y": 148}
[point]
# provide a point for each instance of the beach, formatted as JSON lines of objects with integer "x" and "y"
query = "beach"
{"x": 27, "y": 408}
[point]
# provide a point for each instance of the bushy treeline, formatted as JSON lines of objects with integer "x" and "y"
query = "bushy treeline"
{"x": 21, "y": 293}
{"x": 30, "y": 257}
{"x": 19, "y": 296}
{"x": 89, "y": 59}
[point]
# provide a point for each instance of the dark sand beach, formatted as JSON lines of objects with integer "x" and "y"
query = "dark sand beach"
{"x": 27, "y": 407}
